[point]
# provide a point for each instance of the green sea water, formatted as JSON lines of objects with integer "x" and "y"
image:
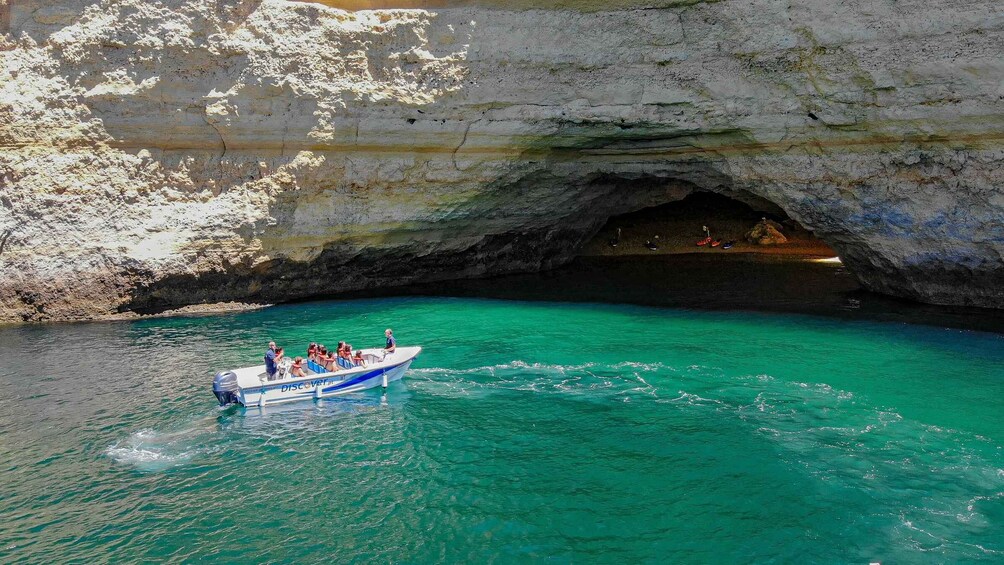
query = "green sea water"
{"x": 526, "y": 432}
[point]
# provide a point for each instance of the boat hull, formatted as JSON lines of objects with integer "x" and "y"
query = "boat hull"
{"x": 320, "y": 387}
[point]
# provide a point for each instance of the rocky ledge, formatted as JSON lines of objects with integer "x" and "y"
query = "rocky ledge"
{"x": 160, "y": 154}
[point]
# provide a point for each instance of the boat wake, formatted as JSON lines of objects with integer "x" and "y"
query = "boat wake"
{"x": 151, "y": 450}
{"x": 627, "y": 377}
{"x": 838, "y": 439}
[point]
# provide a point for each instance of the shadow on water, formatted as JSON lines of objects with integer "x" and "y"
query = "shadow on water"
{"x": 731, "y": 282}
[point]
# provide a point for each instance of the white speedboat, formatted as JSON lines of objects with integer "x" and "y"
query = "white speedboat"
{"x": 251, "y": 386}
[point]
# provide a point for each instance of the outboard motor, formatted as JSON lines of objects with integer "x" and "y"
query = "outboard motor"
{"x": 225, "y": 388}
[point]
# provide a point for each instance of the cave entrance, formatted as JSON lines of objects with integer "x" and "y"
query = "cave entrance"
{"x": 677, "y": 227}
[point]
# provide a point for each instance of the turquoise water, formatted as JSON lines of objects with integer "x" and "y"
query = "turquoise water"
{"x": 526, "y": 432}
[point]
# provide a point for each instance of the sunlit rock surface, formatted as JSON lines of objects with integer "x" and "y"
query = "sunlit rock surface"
{"x": 162, "y": 154}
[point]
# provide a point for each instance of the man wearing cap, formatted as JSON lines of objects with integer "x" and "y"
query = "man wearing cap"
{"x": 270, "y": 360}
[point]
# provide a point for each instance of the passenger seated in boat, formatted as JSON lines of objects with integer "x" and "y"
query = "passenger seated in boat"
{"x": 311, "y": 351}
{"x": 313, "y": 362}
{"x": 319, "y": 354}
{"x": 328, "y": 361}
{"x": 346, "y": 357}
{"x": 358, "y": 359}
{"x": 296, "y": 370}
{"x": 319, "y": 358}
{"x": 336, "y": 355}
{"x": 282, "y": 365}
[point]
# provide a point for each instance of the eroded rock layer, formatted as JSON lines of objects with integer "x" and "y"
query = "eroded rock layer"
{"x": 157, "y": 154}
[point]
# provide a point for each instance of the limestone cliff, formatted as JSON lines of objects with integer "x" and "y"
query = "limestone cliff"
{"x": 155, "y": 154}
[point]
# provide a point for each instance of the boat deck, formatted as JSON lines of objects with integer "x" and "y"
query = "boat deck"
{"x": 249, "y": 377}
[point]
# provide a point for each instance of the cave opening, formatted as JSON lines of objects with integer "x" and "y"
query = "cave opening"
{"x": 799, "y": 275}
{"x": 748, "y": 226}
{"x": 802, "y": 275}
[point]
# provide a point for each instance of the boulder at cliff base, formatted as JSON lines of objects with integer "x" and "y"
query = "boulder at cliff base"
{"x": 765, "y": 233}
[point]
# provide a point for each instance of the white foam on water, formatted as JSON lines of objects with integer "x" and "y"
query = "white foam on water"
{"x": 518, "y": 365}
{"x": 694, "y": 399}
{"x": 150, "y": 459}
{"x": 151, "y": 450}
{"x": 838, "y": 437}
{"x": 829, "y": 434}
{"x": 518, "y": 375}
{"x": 833, "y": 435}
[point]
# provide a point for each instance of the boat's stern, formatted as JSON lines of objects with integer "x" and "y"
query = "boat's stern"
{"x": 226, "y": 389}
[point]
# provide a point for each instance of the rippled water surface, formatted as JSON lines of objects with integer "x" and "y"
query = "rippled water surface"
{"x": 526, "y": 432}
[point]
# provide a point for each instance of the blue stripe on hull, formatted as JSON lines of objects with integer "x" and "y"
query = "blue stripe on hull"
{"x": 356, "y": 380}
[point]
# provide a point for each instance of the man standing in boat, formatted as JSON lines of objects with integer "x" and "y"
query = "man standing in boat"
{"x": 270, "y": 360}
{"x": 391, "y": 343}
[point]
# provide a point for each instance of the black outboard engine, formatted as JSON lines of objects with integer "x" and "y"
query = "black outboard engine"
{"x": 225, "y": 388}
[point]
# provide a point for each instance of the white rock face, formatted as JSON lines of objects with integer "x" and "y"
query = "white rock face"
{"x": 157, "y": 154}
